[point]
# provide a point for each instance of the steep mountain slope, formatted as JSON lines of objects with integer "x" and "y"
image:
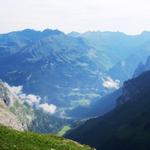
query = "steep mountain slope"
{"x": 125, "y": 68}
{"x": 14, "y": 140}
{"x": 19, "y": 111}
{"x": 70, "y": 70}
{"x": 7, "y": 118}
{"x": 53, "y": 67}
{"x": 120, "y": 53}
{"x": 13, "y": 112}
{"x": 127, "y": 126}
{"x": 142, "y": 67}
{"x": 48, "y": 123}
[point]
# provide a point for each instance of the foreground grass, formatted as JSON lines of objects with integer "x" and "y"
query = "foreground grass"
{"x": 14, "y": 140}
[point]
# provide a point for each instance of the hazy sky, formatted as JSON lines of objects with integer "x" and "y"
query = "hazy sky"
{"x": 129, "y": 16}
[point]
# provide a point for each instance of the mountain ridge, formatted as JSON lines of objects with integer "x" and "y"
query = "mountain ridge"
{"x": 70, "y": 71}
{"x": 123, "y": 127}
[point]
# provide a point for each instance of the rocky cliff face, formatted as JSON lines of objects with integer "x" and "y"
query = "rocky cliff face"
{"x": 13, "y": 112}
{"x": 142, "y": 68}
{"x": 18, "y": 111}
{"x": 7, "y": 118}
{"x": 134, "y": 88}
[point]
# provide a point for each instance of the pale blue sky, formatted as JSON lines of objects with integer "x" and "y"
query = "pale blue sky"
{"x": 129, "y": 16}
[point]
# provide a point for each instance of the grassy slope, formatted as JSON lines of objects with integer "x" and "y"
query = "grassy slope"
{"x": 64, "y": 130}
{"x": 13, "y": 140}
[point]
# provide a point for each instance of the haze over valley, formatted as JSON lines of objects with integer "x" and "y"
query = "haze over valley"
{"x": 74, "y": 75}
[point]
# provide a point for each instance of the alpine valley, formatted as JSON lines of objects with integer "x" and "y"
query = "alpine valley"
{"x": 89, "y": 87}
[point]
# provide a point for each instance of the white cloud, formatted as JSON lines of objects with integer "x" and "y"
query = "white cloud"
{"x": 13, "y": 93}
{"x": 14, "y": 89}
{"x": 50, "y": 108}
{"x": 109, "y": 83}
{"x": 32, "y": 99}
{"x": 29, "y": 98}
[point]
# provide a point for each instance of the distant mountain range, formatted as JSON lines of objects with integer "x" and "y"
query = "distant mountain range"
{"x": 70, "y": 70}
{"x": 120, "y": 53}
{"x": 59, "y": 68}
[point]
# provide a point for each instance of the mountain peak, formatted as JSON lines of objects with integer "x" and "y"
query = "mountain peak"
{"x": 142, "y": 67}
{"x": 74, "y": 34}
{"x": 51, "y": 32}
{"x": 145, "y": 32}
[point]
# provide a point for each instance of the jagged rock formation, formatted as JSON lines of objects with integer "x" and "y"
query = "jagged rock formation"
{"x": 13, "y": 112}
{"x": 18, "y": 114}
{"x": 142, "y": 67}
{"x": 7, "y": 118}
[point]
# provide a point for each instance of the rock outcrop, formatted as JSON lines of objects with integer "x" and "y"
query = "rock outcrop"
{"x": 7, "y": 118}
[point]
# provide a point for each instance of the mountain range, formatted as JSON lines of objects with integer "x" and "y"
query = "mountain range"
{"x": 94, "y": 83}
{"x": 70, "y": 70}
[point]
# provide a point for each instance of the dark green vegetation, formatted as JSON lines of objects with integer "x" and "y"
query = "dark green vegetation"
{"x": 13, "y": 140}
{"x": 125, "y": 128}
